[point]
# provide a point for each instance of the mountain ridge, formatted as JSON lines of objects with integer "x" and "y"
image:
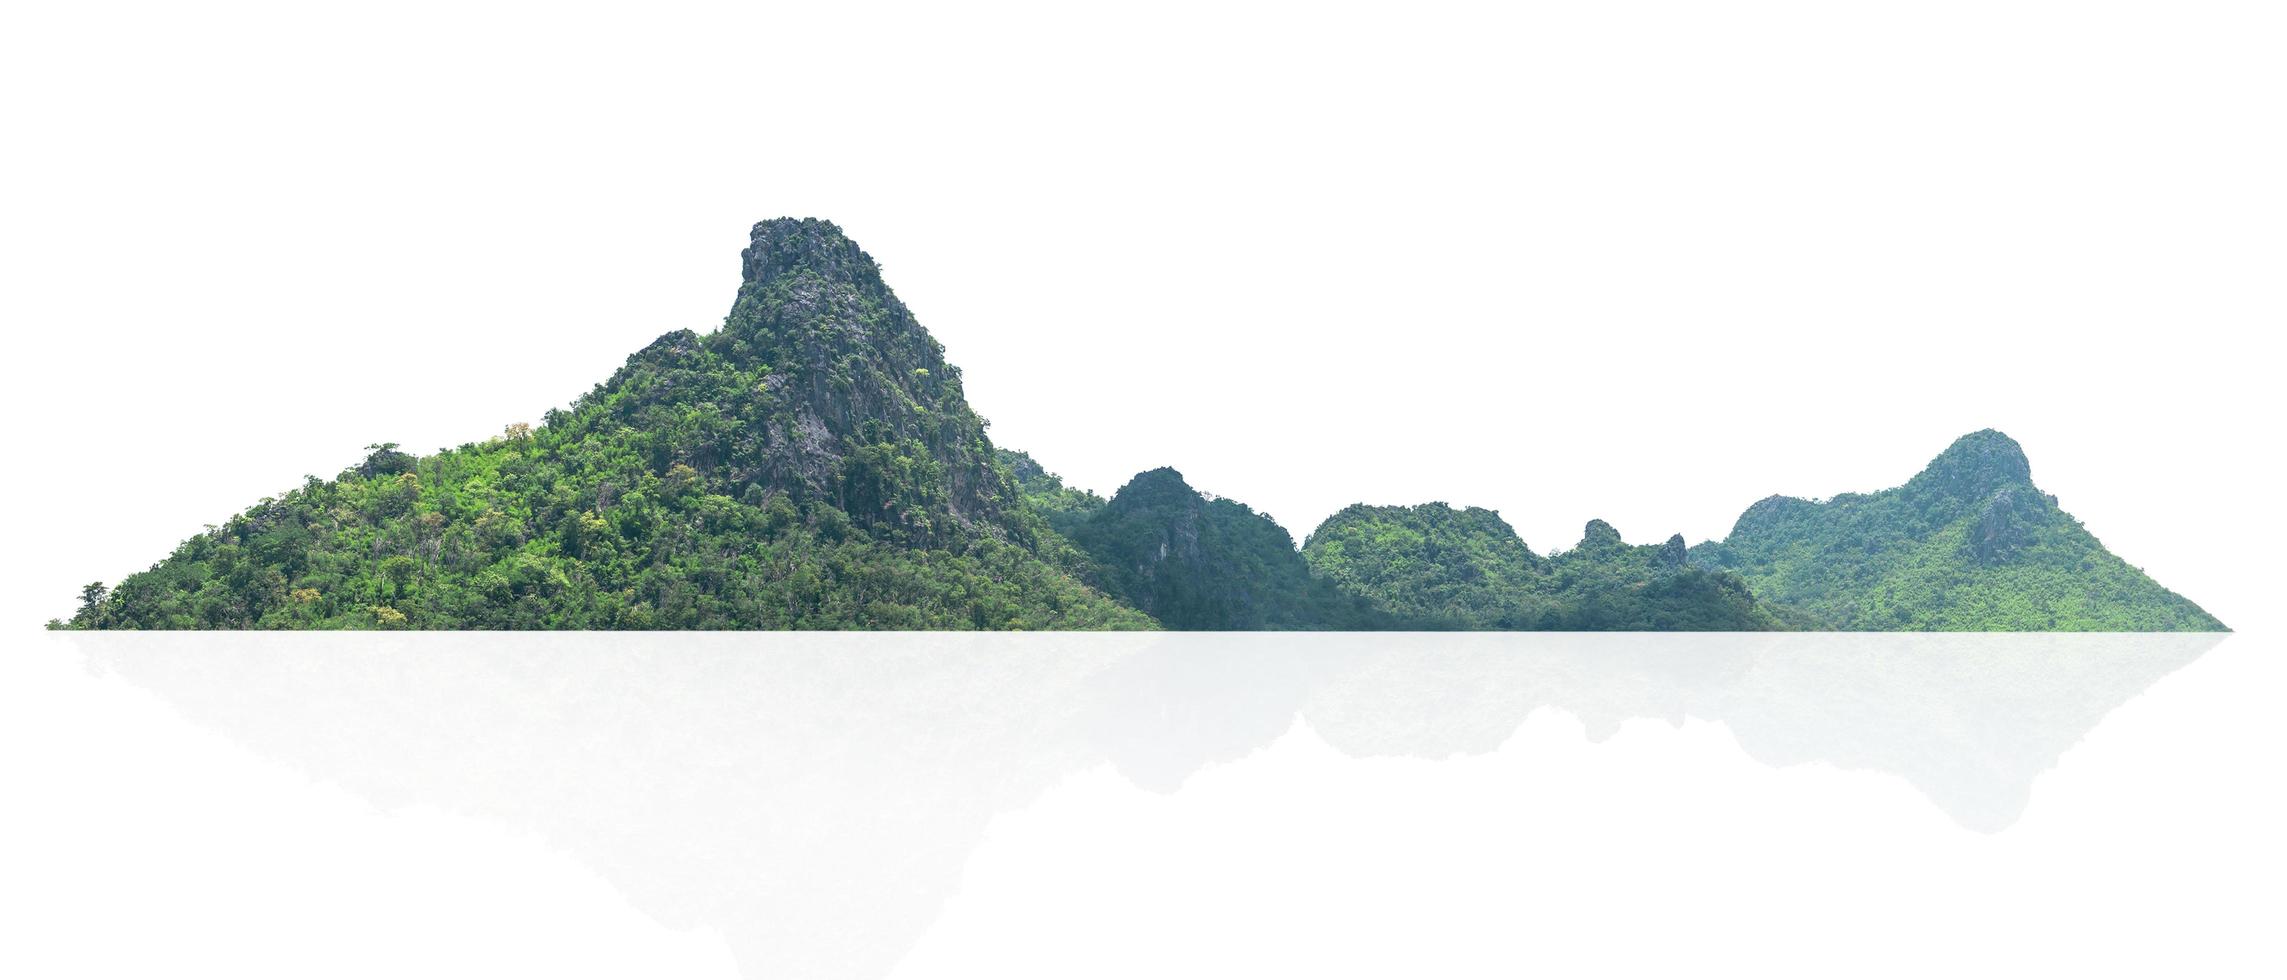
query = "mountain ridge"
{"x": 1466, "y": 568}
{"x": 813, "y": 463}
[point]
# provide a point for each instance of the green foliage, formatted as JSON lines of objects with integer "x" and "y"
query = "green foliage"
{"x": 1433, "y": 565}
{"x": 1605, "y": 584}
{"x": 1044, "y": 493}
{"x": 811, "y": 465}
{"x": 1438, "y": 567}
{"x": 814, "y": 464}
{"x": 1968, "y": 544}
{"x": 1196, "y": 563}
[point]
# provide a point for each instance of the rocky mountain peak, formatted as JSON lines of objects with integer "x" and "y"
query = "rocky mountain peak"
{"x": 1975, "y": 467}
{"x": 1149, "y": 489}
{"x": 1600, "y": 535}
{"x": 780, "y": 245}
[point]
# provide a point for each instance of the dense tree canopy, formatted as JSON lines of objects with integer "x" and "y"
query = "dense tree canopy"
{"x": 1201, "y": 563}
{"x": 812, "y": 464}
{"x": 1968, "y": 544}
{"x": 1432, "y": 564}
{"x": 1467, "y": 569}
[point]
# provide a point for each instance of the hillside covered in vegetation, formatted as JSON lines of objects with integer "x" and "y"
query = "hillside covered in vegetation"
{"x": 1968, "y": 544}
{"x": 1196, "y": 562}
{"x": 814, "y": 464}
{"x": 1467, "y": 569}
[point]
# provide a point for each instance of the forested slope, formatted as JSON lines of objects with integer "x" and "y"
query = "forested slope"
{"x": 812, "y": 464}
{"x": 1967, "y": 544}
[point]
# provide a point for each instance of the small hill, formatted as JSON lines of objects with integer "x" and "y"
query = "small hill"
{"x": 1434, "y": 564}
{"x": 1199, "y": 563}
{"x": 1467, "y": 569}
{"x": 1967, "y": 544}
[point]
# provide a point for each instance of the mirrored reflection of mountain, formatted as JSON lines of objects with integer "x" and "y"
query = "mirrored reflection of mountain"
{"x": 813, "y": 797}
{"x": 1968, "y": 719}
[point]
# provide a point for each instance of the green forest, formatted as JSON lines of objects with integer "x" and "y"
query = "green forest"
{"x": 1968, "y": 544}
{"x": 814, "y": 464}
{"x": 1443, "y": 568}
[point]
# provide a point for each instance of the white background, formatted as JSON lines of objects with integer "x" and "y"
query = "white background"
{"x": 474, "y": 805}
{"x": 1641, "y": 261}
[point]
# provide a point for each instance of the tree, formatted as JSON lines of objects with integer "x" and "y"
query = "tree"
{"x": 91, "y": 598}
{"x": 384, "y": 459}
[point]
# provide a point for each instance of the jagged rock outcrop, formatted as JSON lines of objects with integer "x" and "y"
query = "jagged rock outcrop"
{"x": 1599, "y": 536}
{"x": 1672, "y": 552}
{"x": 2011, "y": 520}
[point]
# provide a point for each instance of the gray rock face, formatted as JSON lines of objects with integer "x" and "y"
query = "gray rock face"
{"x": 851, "y": 368}
{"x": 1672, "y": 553}
{"x": 2010, "y": 521}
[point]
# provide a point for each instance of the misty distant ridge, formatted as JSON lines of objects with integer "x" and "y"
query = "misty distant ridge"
{"x": 814, "y": 464}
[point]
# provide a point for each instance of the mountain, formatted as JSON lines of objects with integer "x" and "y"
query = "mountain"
{"x": 812, "y": 464}
{"x": 1463, "y": 569}
{"x": 1968, "y": 544}
{"x": 1466, "y": 569}
{"x": 1199, "y": 563}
